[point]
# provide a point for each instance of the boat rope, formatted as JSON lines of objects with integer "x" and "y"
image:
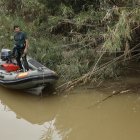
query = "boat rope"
{"x": 43, "y": 75}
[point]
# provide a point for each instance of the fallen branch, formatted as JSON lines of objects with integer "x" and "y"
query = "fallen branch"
{"x": 109, "y": 96}
{"x": 87, "y": 77}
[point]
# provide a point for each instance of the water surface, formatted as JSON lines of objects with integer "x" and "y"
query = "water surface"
{"x": 79, "y": 115}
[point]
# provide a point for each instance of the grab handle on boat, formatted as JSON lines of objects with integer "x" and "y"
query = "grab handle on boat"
{"x": 40, "y": 69}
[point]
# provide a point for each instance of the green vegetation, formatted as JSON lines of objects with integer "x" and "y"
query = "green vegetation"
{"x": 80, "y": 39}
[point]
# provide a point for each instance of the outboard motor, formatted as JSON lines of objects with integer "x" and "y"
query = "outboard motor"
{"x": 6, "y": 55}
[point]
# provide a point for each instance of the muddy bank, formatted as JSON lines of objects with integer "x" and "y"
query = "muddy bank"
{"x": 128, "y": 81}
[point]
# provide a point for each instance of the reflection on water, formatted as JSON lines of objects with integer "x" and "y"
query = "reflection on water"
{"x": 69, "y": 117}
{"x": 51, "y": 132}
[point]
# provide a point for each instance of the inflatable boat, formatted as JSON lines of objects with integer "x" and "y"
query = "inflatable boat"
{"x": 35, "y": 80}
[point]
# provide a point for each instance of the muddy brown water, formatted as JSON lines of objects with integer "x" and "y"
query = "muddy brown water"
{"x": 80, "y": 115}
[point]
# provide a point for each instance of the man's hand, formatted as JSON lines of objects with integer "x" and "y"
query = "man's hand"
{"x": 26, "y": 46}
{"x": 25, "y": 50}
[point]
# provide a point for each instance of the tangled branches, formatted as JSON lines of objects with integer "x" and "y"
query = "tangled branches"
{"x": 88, "y": 76}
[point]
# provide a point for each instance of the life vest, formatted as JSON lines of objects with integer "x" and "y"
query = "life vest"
{"x": 9, "y": 67}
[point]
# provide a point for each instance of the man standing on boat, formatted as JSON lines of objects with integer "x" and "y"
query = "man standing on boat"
{"x": 20, "y": 48}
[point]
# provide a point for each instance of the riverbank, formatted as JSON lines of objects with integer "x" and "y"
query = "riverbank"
{"x": 128, "y": 81}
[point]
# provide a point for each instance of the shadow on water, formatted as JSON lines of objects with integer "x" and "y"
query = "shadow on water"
{"x": 34, "y": 109}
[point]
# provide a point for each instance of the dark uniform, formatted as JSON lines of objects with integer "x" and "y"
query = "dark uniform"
{"x": 18, "y": 50}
